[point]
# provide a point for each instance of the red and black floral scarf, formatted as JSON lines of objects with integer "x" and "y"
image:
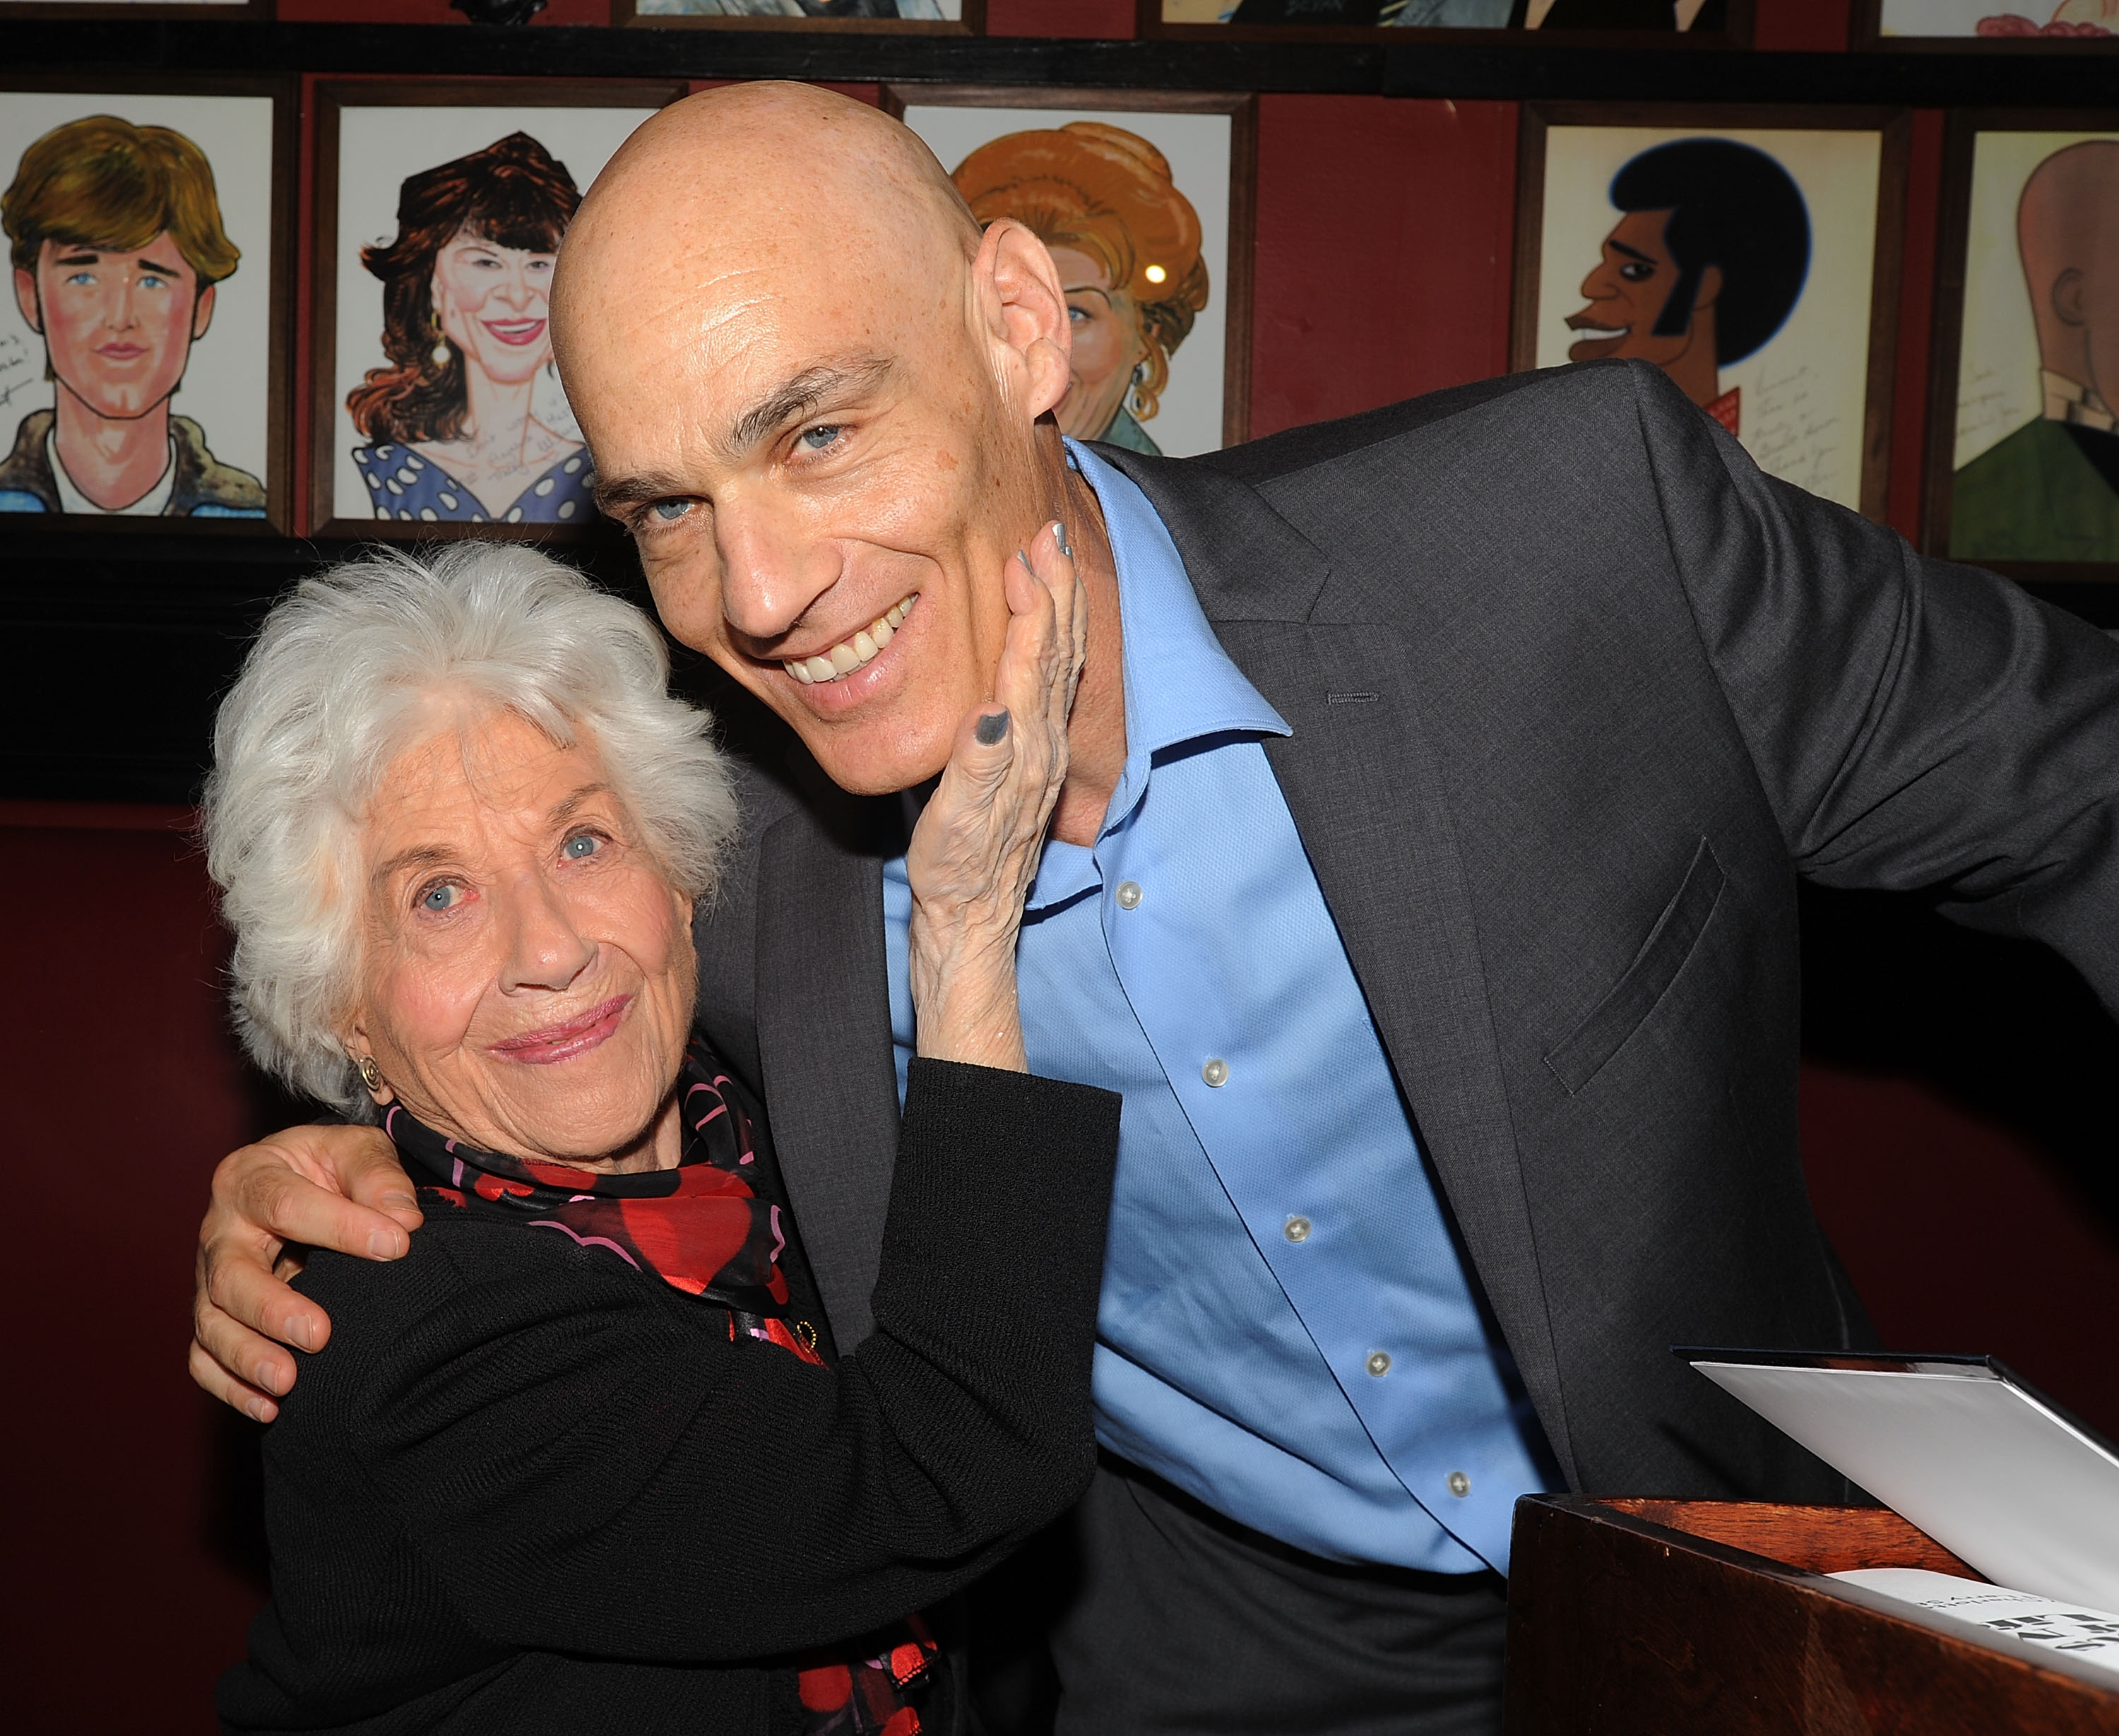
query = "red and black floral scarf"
{"x": 712, "y": 1228}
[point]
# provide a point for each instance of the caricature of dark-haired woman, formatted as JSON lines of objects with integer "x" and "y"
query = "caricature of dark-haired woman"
{"x": 451, "y": 426}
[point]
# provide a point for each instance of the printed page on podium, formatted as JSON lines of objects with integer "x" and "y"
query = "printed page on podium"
{"x": 1999, "y": 1475}
{"x": 2001, "y": 1614}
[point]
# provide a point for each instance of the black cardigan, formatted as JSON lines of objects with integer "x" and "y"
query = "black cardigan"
{"x": 526, "y": 1488}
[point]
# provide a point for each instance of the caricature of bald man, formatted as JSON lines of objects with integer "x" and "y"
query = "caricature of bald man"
{"x": 2049, "y": 492}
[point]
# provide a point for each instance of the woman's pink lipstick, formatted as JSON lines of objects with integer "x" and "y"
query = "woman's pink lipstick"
{"x": 563, "y": 1042}
{"x": 516, "y": 330}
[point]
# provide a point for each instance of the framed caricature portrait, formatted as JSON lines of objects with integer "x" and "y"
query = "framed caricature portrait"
{"x": 1751, "y": 253}
{"x": 143, "y": 346}
{"x": 1145, "y": 200}
{"x": 2067, "y": 26}
{"x": 2023, "y": 443}
{"x": 942, "y": 17}
{"x": 1725, "y": 23}
{"x": 439, "y": 210}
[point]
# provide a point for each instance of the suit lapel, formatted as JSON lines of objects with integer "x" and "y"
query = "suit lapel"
{"x": 1361, "y": 779}
{"x": 824, "y": 1049}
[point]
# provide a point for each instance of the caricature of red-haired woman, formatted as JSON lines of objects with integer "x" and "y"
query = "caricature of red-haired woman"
{"x": 1127, "y": 244}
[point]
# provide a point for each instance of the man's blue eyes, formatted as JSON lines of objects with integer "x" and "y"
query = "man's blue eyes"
{"x": 816, "y": 439}
{"x": 148, "y": 280}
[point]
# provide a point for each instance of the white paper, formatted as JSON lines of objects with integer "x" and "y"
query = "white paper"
{"x": 2092, "y": 1635}
{"x": 2009, "y": 1487}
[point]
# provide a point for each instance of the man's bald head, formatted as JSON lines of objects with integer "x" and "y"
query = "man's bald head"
{"x": 774, "y": 170}
{"x": 2067, "y": 231}
{"x": 814, "y": 390}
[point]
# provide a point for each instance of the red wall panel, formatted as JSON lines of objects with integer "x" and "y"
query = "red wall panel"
{"x": 1961, "y": 1235}
{"x": 1821, "y": 26}
{"x": 1915, "y": 320}
{"x": 1384, "y": 231}
{"x": 124, "y": 1089}
{"x": 1109, "y": 19}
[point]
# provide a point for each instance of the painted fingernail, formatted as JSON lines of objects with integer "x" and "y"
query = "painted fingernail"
{"x": 991, "y": 728}
{"x": 1022, "y": 556}
{"x": 1060, "y": 536}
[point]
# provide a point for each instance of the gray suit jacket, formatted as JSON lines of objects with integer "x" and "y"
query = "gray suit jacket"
{"x": 1577, "y": 693}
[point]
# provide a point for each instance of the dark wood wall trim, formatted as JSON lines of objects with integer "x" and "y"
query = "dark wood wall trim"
{"x": 1461, "y": 70}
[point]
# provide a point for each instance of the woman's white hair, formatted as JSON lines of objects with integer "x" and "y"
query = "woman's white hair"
{"x": 341, "y": 681}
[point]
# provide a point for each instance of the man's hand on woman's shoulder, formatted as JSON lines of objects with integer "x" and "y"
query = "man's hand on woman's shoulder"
{"x": 340, "y": 1187}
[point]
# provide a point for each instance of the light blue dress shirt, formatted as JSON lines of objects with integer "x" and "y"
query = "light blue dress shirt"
{"x": 1286, "y": 1331}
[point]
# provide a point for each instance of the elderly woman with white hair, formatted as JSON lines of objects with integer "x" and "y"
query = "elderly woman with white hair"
{"x": 585, "y": 1459}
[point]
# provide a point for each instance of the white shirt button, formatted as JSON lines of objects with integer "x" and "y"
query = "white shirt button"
{"x": 1298, "y": 1229}
{"x": 1216, "y": 1072}
{"x": 1379, "y": 1362}
{"x": 1459, "y": 1484}
{"x": 1128, "y": 895}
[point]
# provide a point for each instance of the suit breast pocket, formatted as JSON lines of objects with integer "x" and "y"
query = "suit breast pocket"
{"x": 1580, "y": 1055}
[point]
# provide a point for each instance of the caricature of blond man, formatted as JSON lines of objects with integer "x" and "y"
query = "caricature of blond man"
{"x": 116, "y": 239}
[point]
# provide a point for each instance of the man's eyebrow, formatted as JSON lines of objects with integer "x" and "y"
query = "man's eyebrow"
{"x": 1619, "y": 246}
{"x": 614, "y": 494}
{"x": 79, "y": 257}
{"x": 798, "y": 397}
{"x": 149, "y": 264}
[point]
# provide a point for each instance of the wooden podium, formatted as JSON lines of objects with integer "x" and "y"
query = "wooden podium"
{"x": 1649, "y": 1618}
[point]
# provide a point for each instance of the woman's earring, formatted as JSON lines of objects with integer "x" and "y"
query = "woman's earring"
{"x": 440, "y": 354}
{"x": 371, "y": 1075}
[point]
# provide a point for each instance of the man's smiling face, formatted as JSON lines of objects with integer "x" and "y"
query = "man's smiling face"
{"x": 1627, "y": 293}
{"x": 806, "y": 410}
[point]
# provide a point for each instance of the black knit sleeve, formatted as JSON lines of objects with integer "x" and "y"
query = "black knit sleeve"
{"x": 592, "y": 1464}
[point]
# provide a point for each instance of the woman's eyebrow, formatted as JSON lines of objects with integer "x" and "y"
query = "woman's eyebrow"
{"x": 572, "y": 804}
{"x": 416, "y": 856}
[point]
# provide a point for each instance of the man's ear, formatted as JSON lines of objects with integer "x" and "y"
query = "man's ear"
{"x": 2066, "y": 297}
{"x": 1026, "y": 310}
{"x": 25, "y": 299}
{"x": 202, "y": 313}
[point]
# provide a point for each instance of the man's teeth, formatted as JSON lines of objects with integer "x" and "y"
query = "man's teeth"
{"x": 849, "y": 655}
{"x": 1599, "y": 334}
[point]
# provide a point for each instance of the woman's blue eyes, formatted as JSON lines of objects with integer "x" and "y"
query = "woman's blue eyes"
{"x": 440, "y": 899}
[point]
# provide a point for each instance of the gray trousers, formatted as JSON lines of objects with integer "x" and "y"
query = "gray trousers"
{"x": 1166, "y": 1619}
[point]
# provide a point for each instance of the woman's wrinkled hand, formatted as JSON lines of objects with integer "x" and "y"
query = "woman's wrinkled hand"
{"x": 975, "y": 851}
